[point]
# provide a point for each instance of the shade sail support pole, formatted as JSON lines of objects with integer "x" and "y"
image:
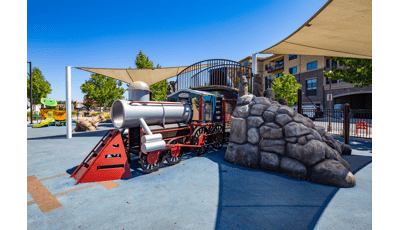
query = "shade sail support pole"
{"x": 253, "y": 70}
{"x": 68, "y": 100}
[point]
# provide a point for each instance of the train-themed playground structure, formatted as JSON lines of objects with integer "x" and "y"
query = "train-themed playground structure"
{"x": 157, "y": 132}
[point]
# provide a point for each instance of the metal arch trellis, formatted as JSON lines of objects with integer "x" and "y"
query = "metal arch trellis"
{"x": 213, "y": 72}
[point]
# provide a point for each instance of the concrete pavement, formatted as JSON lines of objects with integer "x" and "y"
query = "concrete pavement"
{"x": 199, "y": 193}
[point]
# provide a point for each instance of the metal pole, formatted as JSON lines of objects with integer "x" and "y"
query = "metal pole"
{"x": 30, "y": 78}
{"x": 346, "y": 123}
{"x": 330, "y": 106}
{"x": 299, "y": 101}
{"x": 68, "y": 100}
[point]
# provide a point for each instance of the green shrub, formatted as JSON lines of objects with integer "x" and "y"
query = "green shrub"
{"x": 29, "y": 114}
{"x": 73, "y": 113}
{"x": 107, "y": 115}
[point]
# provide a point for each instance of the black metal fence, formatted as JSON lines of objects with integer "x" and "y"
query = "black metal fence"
{"x": 360, "y": 121}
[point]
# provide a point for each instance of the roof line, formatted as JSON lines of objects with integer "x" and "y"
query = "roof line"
{"x": 315, "y": 15}
{"x": 326, "y": 49}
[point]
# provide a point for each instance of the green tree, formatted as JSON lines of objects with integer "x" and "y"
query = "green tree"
{"x": 159, "y": 89}
{"x": 40, "y": 87}
{"x": 102, "y": 89}
{"x": 356, "y": 70}
{"x": 286, "y": 87}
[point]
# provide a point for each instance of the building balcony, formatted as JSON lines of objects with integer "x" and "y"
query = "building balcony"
{"x": 275, "y": 68}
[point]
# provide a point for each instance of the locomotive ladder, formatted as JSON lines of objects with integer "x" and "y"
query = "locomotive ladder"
{"x": 107, "y": 161}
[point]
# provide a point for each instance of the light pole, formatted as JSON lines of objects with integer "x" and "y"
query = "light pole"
{"x": 30, "y": 78}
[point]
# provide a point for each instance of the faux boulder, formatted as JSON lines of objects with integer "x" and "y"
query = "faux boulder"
{"x": 238, "y": 130}
{"x": 258, "y": 85}
{"x": 273, "y": 137}
{"x": 89, "y": 123}
{"x": 243, "y": 86}
{"x": 332, "y": 172}
{"x": 246, "y": 155}
{"x": 269, "y": 161}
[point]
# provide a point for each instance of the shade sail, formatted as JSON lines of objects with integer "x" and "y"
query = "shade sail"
{"x": 341, "y": 28}
{"x": 149, "y": 76}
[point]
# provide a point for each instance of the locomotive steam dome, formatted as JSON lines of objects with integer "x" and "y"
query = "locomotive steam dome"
{"x": 139, "y": 91}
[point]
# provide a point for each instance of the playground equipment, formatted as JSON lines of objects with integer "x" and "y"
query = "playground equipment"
{"x": 48, "y": 118}
{"x": 156, "y": 131}
{"x": 60, "y": 116}
{"x": 45, "y": 112}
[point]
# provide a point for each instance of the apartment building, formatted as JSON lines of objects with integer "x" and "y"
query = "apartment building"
{"x": 308, "y": 71}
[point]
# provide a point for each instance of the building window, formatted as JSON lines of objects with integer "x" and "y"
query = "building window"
{"x": 312, "y": 65}
{"x": 293, "y": 70}
{"x": 291, "y": 57}
{"x": 246, "y": 63}
{"x": 268, "y": 82}
{"x": 312, "y": 87}
{"x": 334, "y": 64}
{"x": 341, "y": 80}
{"x": 279, "y": 63}
{"x": 278, "y": 75}
{"x": 328, "y": 63}
{"x": 333, "y": 81}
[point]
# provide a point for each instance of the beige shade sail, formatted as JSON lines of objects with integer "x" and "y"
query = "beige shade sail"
{"x": 341, "y": 28}
{"x": 149, "y": 76}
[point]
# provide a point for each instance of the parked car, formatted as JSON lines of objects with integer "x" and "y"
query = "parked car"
{"x": 311, "y": 111}
{"x": 338, "y": 110}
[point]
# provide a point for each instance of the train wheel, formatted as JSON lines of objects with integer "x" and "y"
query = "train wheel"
{"x": 218, "y": 138}
{"x": 152, "y": 161}
{"x": 197, "y": 134}
{"x": 174, "y": 158}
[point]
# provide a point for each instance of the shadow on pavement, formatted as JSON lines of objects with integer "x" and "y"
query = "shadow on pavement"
{"x": 256, "y": 199}
{"x": 97, "y": 133}
{"x": 358, "y": 144}
{"x": 136, "y": 170}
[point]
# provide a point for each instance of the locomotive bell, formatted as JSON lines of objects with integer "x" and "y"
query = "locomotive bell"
{"x": 139, "y": 91}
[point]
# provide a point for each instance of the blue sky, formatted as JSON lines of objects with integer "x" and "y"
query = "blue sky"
{"x": 109, "y": 34}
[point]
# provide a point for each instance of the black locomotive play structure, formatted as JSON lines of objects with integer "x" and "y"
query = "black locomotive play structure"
{"x": 195, "y": 118}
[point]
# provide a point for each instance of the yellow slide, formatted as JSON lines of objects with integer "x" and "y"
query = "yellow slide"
{"x": 49, "y": 119}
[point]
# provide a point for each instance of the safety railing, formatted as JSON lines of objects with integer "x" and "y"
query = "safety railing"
{"x": 360, "y": 122}
{"x": 213, "y": 72}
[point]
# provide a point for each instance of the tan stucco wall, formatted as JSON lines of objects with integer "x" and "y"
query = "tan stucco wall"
{"x": 302, "y": 61}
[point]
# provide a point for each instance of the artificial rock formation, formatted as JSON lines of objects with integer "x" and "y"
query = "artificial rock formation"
{"x": 258, "y": 85}
{"x": 89, "y": 123}
{"x": 172, "y": 87}
{"x": 269, "y": 93}
{"x": 273, "y": 137}
{"x": 243, "y": 86}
